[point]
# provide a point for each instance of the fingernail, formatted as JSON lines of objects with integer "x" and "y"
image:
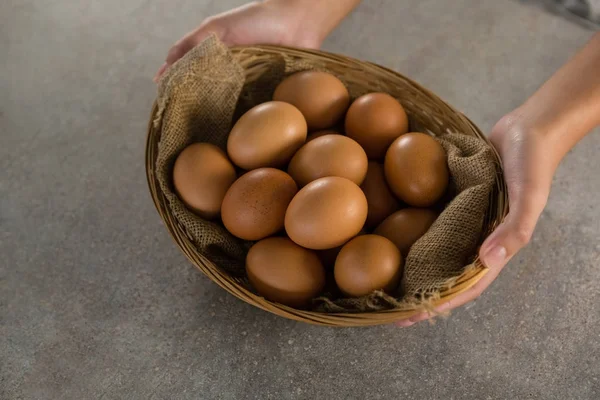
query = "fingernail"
{"x": 495, "y": 258}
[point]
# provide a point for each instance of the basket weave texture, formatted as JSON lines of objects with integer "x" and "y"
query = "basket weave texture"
{"x": 204, "y": 93}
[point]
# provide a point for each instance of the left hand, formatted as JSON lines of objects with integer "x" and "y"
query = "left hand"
{"x": 280, "y": 22}
{"x": 528, "y": 172}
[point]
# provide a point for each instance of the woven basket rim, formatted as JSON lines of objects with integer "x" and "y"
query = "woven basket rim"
{"x": 471, "y": 275}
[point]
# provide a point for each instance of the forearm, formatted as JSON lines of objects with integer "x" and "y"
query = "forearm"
{"x": 319, "y": 16}
{"x": 567, "y": 106}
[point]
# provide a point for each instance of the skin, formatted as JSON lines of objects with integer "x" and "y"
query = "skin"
{"x": 532, "y": 139}
{"x": 297, "y": 23}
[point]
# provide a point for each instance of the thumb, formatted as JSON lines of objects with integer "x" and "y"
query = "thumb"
{"x": 188, "y": 42}
{"x": 516, "y": 230}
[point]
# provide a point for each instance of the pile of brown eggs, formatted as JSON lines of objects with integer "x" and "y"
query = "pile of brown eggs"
{"x": 324, "y": 184}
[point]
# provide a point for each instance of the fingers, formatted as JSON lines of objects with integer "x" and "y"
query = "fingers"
{"x": 188, "y": 42}
{"x": 470, "y": 294}
{"x": 458, "y": 301}
{"x": 512, "y": 235}
{"x": 405, "y": 323}
{"x": 161, "y": 71}
{"x": 185, "y": 44}
{"x": 516, "y": 231}
{"x": 528, "y": 172}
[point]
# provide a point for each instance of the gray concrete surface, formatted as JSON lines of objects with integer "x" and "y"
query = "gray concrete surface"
{"x": 96, "y": 301}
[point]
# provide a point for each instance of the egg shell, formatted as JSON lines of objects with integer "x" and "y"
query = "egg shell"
{"x": 406, "y": 226}
{"x": 321, "y": 97}
{"x": 368, "y": 263}
{"x": 329, "y": 155}
{"x": 375, "y": 120}
{"x": 380, "y": 198}
{"x": 317, "y": 134}
{"x": 283, "y": 272}
{"x": 328, "y": 256}
{"x": 202, "y": 174}
{"x": 267, "y": 135}
{"x": 255, "y": 205}
{"x": 416, "y": 169}
{"x": 326, "y": 213}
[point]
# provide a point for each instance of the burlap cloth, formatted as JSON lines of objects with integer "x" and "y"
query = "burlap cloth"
{"x": 203, "y": 94}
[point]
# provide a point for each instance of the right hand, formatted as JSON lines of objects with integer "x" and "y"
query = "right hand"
{"x": 267, "y": 22}
{"x": 529, "y": 160}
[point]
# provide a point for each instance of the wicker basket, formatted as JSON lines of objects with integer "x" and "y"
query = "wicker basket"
{"x": 433, "y": 115}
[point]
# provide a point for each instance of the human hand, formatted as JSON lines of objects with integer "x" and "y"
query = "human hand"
{"x": 279, "y": 22}
{"x": 532, "y": 140}
{"x": 528, "y": 170}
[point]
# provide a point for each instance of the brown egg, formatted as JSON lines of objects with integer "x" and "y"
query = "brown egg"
{"x": 375, "y": 120}
{"x": 406, "y": 226}
{"x": 318, "y": 134}
{"x": 379, "y": 197}
{"x": 202, "y": 175}
{"x": 368, "y": 263}
{"x": 283, "y": 272}
{"x": 329, "y": 155}
{"x": 267, "y": 135}
{"x": 321, "y": 97}
{"x": 416, "y": 169}
{"x": 328, "y": 256}
{"x": 254, "y": 206}
{"x": 326, "y": 213}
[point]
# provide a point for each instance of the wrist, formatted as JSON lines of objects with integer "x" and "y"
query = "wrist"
{"x": 567, "y": 107}
{"x": 531, "y": 127}
{"x": 559, "y": 126}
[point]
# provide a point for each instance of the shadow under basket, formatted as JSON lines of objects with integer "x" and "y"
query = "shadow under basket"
{"x": 426, "y": 112}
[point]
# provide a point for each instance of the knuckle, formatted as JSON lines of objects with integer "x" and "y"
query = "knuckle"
{"x": 523, "y": 235}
